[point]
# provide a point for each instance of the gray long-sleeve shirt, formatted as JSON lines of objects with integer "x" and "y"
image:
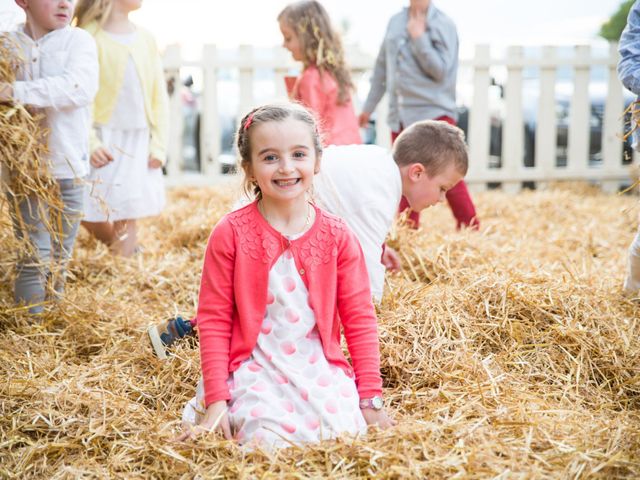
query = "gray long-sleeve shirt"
{"x": 419, "y": 75}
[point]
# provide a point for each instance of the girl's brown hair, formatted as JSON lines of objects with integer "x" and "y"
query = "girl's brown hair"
{"x": 88, "y": 11}
{"x": 270, "y": 113}
{"x": 321, "y": 44}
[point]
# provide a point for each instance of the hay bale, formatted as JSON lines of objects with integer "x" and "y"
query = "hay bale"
{"x": 508, "y": 352}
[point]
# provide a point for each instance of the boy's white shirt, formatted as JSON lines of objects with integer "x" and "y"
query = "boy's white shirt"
{"x": 60, "y": 77}
{"x": 362, "y": 185}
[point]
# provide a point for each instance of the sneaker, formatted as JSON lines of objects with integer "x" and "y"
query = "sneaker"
{"x": 164, "y": 334}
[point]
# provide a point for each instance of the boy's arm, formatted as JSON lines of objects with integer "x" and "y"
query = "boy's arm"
{"x": 378, "y": 80}
{"x": 215, "y": 312}
{"x": 435, "y": 51}
{"x": 358, "y": 316}
{"x": 629, "y": 64}
{"x": 75, "y": 87}
{"x": 160, "y": 105}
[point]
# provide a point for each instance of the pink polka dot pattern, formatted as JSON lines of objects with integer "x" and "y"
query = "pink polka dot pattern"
{"x": 288, "y": 427}
{"x": 270, "y": 298}
{"x": 331, "y": 406}
{"x": 289, "y": 284}
{"x": 291, "y": 315}
{"x": 288, "y": 348}
{"x": 324, "y": 380}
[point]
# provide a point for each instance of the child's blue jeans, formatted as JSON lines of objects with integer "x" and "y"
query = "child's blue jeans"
{"x": 46, "y": 260}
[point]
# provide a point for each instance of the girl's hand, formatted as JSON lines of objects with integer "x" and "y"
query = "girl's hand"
{"x": 378, "y": 417}
{"x": 363, "y": 119}
{"x": 154, "y": 162}
{"x": 100, "y": 157}
{"x": 215, "y": 419}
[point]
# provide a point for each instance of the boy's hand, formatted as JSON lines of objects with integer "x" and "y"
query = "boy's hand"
{"x": 6, "y": 92}
{"x": 417, "y": 24}
{"x": 391, "y": 259}
{"x": 154, "y": 162}
{"x": 378, "y": 417}
{"x": 215, "y": 418}
{"x": 100, "y": 157}
{"x": 363, "y": 119}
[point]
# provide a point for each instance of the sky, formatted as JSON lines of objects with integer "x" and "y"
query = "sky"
{"x": 229, "y": 23}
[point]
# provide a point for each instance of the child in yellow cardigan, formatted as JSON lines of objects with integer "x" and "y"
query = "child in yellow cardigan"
{"x": 130, "y": 116}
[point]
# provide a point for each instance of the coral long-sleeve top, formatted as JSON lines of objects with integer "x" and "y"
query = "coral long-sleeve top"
{"x": 233, "y": 296}
{"x": 318, "y": 91}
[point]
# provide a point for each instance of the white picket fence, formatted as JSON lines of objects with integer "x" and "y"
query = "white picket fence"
{"x": 510, "y": 171}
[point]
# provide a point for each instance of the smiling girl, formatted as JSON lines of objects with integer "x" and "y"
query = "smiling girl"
{"x": 280, "y": 279}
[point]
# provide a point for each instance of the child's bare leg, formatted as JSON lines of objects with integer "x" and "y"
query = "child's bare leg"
{"x": 126, "y": 233}
{"x": 103, "y": 231}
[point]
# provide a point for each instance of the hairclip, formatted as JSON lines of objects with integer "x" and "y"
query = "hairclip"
{"x": 247, "y": 124}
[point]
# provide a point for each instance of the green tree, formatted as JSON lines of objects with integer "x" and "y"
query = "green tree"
{"x": 612, "y": 29}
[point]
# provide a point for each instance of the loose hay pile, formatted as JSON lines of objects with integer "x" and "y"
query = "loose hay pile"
{"x": 509, "y": 352}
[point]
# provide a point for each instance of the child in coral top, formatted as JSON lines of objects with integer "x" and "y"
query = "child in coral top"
{"x": 325, "y": 84}
{"x": 280, "y": 279}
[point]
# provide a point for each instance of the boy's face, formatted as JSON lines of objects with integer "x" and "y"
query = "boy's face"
{"x": 422, "y": 190}
{"x": 47, "y": 15}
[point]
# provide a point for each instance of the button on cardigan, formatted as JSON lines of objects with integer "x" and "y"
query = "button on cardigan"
{"x": 233, "y": 296}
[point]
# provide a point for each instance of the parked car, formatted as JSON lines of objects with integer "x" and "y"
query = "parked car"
{"x": 563, "y": 92}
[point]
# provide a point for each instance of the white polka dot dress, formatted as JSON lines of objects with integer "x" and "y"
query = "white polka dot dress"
{"x": 287, "y": 392}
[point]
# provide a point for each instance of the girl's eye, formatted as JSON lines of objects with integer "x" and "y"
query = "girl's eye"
{"x": 270, "y": 158}
{"x": 299, "y": 154}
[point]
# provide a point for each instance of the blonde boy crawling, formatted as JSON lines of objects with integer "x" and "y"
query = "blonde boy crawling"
{"x": 59, "y": 79}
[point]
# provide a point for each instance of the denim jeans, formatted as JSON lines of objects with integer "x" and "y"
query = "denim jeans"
{"x": 45, "y": 261}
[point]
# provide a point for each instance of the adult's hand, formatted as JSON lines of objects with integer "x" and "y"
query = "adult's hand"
{"x": 417, "y": 23}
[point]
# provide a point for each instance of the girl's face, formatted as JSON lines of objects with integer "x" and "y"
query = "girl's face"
{"x": 283, "y": 160}
{"x": 291, "y": 41}
{"x": 128, "y": 5}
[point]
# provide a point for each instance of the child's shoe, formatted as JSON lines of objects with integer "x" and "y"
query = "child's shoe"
{"x": 164, "y": 334}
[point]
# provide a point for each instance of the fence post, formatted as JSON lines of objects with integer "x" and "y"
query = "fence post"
{"x": 612, "y": 124}
{"x": 513, "y": 147}
{"x": 245, "y": 80}
{"x": 209, "y": 121}
{"x": 579, "y": 115}
{"x": 281, "y": 70}
{"x": 546, "y": 128}
{"x": 172, "y": 62}
{"x": 479, "y": 129}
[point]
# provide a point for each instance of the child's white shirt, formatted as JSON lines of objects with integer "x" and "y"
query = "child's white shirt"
{"x": 362, "y": 185}
{"x": 60, "y": 76}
